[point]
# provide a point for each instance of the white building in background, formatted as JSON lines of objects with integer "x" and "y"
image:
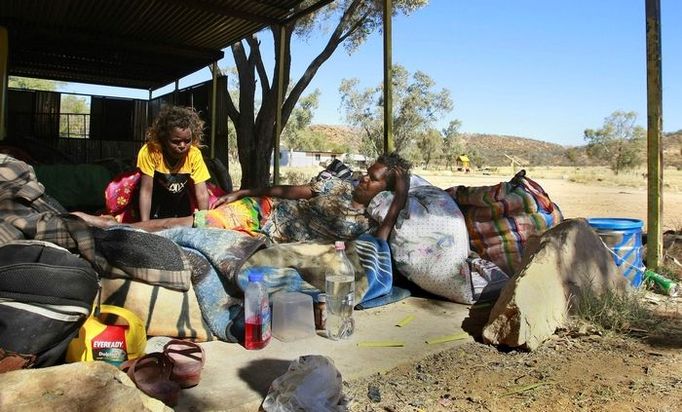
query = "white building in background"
{"x": 291, "y": 158}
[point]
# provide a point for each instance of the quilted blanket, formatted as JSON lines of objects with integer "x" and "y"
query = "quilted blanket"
{"x": 301, "y": 266}
{"x": 221, "y": 258}
{"x": 216, "y": 256}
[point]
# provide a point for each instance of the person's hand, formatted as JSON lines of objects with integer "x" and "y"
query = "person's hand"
{"x": 402, "y": 186}
{"x": 228, "y": 198}
{"x": 402, "y": 181}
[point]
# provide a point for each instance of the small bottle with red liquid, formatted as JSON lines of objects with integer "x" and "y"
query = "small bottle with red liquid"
{"x": 256, "y": 313}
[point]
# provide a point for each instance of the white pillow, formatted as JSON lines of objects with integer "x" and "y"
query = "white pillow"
{"x": 429, "y": 243}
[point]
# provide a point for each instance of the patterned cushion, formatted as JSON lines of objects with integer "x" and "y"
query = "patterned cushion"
{"x": 429, "y": 242}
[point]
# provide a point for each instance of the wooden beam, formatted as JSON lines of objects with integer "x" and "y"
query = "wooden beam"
{"x": 80, "y": 42}
{"x": 4, "y": 44}
{"x": 389, "y": 144}
{"x": 279, "y": 104}
{"x": 214, "y": 103}
{"x": 306, "y": 11}
{"x": 654, "y": 127}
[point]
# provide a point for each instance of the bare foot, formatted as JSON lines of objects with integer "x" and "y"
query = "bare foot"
{"x": 103, "y": 222}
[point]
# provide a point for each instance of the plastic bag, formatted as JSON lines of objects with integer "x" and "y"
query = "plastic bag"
{"x": 312, "y": 383}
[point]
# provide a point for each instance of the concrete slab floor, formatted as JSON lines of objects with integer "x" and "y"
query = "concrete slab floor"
{"x": 236, "y": 379}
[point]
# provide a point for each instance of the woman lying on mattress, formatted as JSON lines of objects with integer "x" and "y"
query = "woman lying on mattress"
{"x": 328, "y": 208}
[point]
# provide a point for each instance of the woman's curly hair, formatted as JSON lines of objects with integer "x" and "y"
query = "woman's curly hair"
{"x": 393, "y": 162}
{"x": 171, "y": 117}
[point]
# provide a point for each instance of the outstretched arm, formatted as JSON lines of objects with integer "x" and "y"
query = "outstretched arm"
{"x": 402, "y": 185}
{"x": 279, "y": 191}
{"x": 201, "y": 192}
{"x": 145, "y": 200}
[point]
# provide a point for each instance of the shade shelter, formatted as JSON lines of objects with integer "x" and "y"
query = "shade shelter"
{"x": 137, "y": 44}
{"x": 150, "y": 43}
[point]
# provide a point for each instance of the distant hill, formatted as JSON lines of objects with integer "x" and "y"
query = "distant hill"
{"x": 672, "y": 149}
{"x": 490, "y": 149}
{"x": 338, "y": 134}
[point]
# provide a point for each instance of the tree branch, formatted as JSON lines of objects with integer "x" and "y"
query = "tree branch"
{"x": 332, "y": 44}
{"x": 254, "y": 54}
{"x": 232, "y": 111}
{"x": 245, "y": 69}
{"x": 354, "y": 27}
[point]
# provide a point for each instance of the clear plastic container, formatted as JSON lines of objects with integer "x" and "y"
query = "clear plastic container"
{"x": 256, "y": 313}
{"x": 292, "y": 316}
{"x": 340, "y": 296}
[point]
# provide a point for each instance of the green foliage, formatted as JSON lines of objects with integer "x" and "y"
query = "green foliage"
{"x": 312, "y": 141}
{"x": 74, "y": 119}
{"x": 295, "y": 135}
{"x": 74, "y": 104}
{"x": 232, "y": 152}
{"x": 619, "y": 142}
{"x": 33, "y": 84}
{"x": 572, "y": 155}
{"x": 357, "y": 19}
{"x": 416, "y": 108}
{"x": 476, "y": 157}
{"x": 453, "y": 145}
{"x": 430, "y": 144}
{"x": 413, "y": 154}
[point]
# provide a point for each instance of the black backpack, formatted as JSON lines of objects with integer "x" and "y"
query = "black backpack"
{"x": 46, "y": 294}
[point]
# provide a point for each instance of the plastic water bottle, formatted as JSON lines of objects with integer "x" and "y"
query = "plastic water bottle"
{"x": 340, "y": 295}
{"x": 256, "y": 313}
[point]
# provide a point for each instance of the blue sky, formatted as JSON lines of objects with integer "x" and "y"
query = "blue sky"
{"x": 544, "y": 70}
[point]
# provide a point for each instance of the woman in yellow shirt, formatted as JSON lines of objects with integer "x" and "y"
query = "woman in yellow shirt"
{"x": 171, "y": 164}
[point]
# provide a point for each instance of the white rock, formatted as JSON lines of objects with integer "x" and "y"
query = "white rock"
{"x": 565, "y": 260}
{"x": 82, "y": 386}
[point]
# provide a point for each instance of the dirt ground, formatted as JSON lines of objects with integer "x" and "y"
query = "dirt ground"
{"x": 580, "y": 368}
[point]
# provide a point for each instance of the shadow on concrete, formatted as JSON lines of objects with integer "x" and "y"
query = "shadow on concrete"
{"x": 478, "y": 313}
{"x": 478, "y": 317}
{"x": 259, "y": 374}
{"x": 435, "y": 304}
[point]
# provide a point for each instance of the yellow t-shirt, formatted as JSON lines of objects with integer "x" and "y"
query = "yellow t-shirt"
{"x": 150, "y": 161}
{"x": 172, "y": 191}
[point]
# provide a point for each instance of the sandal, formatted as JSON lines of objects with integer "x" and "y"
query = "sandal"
{"x": 188, "y": 360}
{"x": 10, "y": 361}
{"x": 152, "y": 375}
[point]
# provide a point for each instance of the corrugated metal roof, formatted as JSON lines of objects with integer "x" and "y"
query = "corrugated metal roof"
{"x": 131, "y": 43}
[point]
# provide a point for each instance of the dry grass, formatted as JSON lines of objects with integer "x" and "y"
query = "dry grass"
{"x": 613, "y": 311}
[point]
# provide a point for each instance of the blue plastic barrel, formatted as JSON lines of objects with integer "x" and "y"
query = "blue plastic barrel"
{"x": 624, "y": 237}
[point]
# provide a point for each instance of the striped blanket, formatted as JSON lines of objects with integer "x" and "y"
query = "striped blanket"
{"x": 501, "y": 218}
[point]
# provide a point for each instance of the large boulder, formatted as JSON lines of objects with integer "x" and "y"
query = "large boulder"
{"x": 558, "y": 268}
{"x": 82, "y": 386}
